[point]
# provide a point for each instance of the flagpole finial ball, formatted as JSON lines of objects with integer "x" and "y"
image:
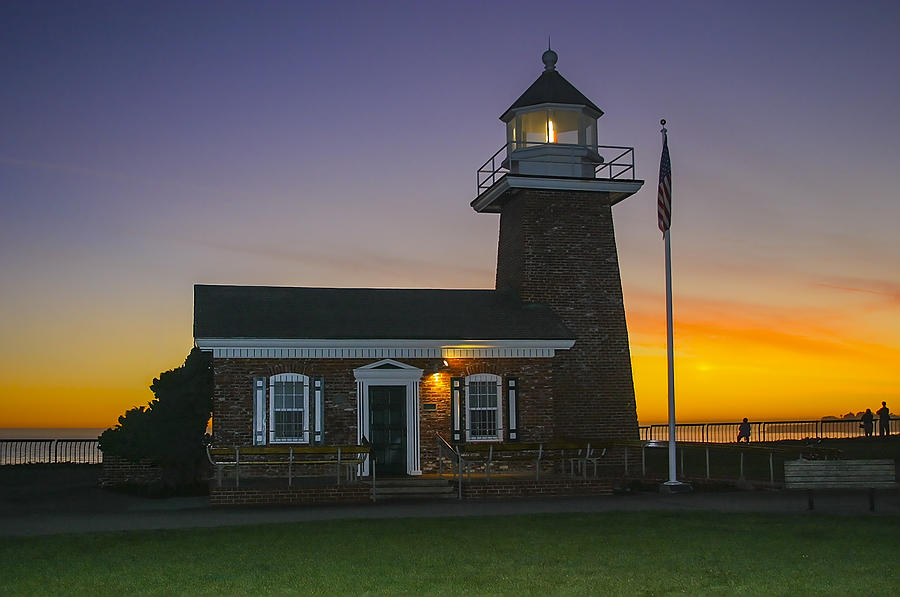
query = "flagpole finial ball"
{"x": 549, "y": 58}
{"x": 663, "y": 122}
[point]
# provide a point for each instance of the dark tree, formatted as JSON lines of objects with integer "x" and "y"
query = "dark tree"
{"x": 171, "y": 430}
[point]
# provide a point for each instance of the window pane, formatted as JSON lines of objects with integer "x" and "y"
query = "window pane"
{"x": 288, "y": 424}
{"x": 288, "y": 410}
{"x": 483, "y": 403}
{"x": 484, "y": 423}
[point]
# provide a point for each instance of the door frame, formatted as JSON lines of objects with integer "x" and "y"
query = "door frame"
{"x": 388, "y": 372}
{"x": 397, "y": 400}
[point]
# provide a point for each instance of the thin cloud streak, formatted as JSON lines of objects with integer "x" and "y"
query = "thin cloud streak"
{"x": 890, "y": 291}
{"x": 354, "y": 262}
{"x": 205, "y": 191}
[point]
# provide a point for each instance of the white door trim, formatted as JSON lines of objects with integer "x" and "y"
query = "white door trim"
{"x": 389, "y": 372}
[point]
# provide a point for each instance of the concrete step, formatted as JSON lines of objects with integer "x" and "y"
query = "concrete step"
{"x": 414, "y": 489}
{"x": 411, "y": 482}
{"x": 383, "y": 497}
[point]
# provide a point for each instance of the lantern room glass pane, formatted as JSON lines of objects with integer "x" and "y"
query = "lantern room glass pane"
{"x": 511, "y": 135}
{"x": 590, "y": 135}
{"x": 564, "y": 125}
{"x": 534, "y": 127}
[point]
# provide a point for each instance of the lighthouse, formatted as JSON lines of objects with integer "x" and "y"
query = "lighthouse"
{"x": 413, "y": 372}
{"x": 554, "y": 186}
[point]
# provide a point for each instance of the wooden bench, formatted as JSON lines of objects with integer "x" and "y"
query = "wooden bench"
{"x": 490, "y": 453}
{"x": 839, "y": 474}
{"x": 341, "y": 457}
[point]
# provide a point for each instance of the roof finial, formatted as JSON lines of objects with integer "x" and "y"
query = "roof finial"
{"x": 549, "y": 57}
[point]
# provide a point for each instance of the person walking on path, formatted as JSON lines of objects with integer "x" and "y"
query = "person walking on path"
{"x": 884, "y": 420}
{"x": 744, "y": 431}
{"x": 868, "y": 420}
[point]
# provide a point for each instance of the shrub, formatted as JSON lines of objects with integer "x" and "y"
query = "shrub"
{"x": 170, "y": 430}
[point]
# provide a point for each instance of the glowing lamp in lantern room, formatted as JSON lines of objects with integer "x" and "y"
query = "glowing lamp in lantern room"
{"x": 551, "y": 130}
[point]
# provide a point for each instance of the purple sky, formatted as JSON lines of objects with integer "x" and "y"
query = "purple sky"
{"x": 145, "y": 147}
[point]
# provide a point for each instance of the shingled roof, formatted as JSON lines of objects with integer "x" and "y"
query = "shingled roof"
{"x": 369, "y": 313}
{"x": 551, "y": 88}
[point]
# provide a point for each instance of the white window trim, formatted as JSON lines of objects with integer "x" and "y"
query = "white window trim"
{"x": 304, "y": 439}
{"x": 499, "y": 383}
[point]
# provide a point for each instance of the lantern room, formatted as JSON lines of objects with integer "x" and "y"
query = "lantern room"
{"x": 551, "y": 130}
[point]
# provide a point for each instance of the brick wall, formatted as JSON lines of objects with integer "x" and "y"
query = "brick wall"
{"x": 558, "y": 248}
{"x": 118, "y": 472}
{"x": 233, "y": 397}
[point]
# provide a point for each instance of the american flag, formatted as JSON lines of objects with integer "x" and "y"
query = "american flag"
{"x": 664, "y": 196}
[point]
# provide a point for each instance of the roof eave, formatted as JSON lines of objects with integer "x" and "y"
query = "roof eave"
{"x": 595, "y": 112}
{"x": 209, "y": 343}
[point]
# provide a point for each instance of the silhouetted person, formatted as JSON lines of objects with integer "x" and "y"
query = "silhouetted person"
{"x": 868, "y": 422}
{"x": 884, "y": 420}
{"x": 744, "y": 431}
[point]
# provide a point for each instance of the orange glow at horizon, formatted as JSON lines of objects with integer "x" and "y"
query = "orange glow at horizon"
{"x": 736, "y": 360}
{"x": 733, "y": 359}
{"x": 89, "y": 381}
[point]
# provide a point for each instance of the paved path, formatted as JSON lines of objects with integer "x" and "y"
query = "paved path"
{"x": 76, "y": 505}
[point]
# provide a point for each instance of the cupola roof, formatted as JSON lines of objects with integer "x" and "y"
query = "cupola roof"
{"x": 551, "y": 88}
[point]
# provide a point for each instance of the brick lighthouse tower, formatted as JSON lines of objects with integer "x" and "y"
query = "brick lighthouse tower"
{"x": 554, "y": 188}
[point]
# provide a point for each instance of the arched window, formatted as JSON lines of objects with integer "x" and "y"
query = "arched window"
{"x": 289, "y": 408}
{"x": 484, "y": 416}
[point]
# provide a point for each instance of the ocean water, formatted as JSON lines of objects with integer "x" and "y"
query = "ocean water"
{"x": 50, "y": 432}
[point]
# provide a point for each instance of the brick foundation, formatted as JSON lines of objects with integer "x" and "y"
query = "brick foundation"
{"x": 520, "y": 488}
{"x": 118, "y": 471}
{"x": 240, "y": 496}
{"x": 360, "y": 494}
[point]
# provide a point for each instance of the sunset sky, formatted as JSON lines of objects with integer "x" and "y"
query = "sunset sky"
{"x": 146, "y": 147}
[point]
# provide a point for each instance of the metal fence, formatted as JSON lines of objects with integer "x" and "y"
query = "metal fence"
{"x": 764, "y": 431}
{"x": 49, "y": 451}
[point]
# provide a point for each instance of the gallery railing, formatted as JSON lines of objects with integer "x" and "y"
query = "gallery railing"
{"x": 49, "y": 451}
{"x": 765, "y": 431}
{"x": 618, "y": 166}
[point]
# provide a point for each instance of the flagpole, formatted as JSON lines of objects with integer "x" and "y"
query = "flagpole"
{"x": 665, "y": 209}
{"x": 670, "y": 354}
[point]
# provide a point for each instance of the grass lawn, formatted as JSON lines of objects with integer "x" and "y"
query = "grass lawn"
{"x": 646, "y": 553}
